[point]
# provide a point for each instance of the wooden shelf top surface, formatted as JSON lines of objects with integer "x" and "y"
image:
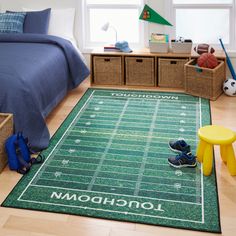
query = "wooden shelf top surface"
{"x": 146, "y": 52}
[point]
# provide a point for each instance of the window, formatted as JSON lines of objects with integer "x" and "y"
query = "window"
{"x": 204, "y": 21}
{"x": 122, "y": 15}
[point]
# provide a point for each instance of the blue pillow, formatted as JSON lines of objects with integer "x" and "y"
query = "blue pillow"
{"x": 37, "y": 22}
{"x": 12, "y": 22}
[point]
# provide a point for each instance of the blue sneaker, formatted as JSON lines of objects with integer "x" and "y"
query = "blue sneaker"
{"x": 183, "y": 160}
{"x": 179, "y": 146}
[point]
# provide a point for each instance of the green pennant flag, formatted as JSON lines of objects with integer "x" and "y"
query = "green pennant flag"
{"x": 150, "y": 15}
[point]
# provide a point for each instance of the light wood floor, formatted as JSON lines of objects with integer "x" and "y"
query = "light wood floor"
{"x": 16, "y": 222}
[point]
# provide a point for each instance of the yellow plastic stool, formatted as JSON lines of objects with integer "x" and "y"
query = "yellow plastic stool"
{"x": 216, "y": 135}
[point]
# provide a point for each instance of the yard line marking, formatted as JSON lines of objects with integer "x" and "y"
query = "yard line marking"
{"x": 81, "y": 109}
{"x": 125, "y": 148}
{"x": 138, "y": 107}
{"x": 203, "y": 213}
{"x": 158, "y": 177}
{"x": 131, "y": 162}
{"x": 198, "y": 177}
{"x": 158, "y": 162}
{"x": 143, "y": 128}
{"x": 117, "y": 186}
{"x": 134, "y": 135}
{"x": 165, "y": 171}
{"x": 90, "y": 142}
{"x": 120, "y": 139}
{"x": 160, "y": 153}
{"x": 146, "y": 150}
{"x": 107, "y": 118}
{"x": 175, "y": 127}
{"x": 127, "y": 181}
{"x": 97, "y": 152}
{"x": 137, "y": 113}
{"x": 108, "y": 146}
{"x": 141, "y": 109}
{"x": 88, "y": 157}
{"x": 68, "y": 142}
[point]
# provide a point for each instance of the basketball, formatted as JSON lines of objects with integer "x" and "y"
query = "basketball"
{"x": 207, "y": 60}
{"x": 204, "y": 48}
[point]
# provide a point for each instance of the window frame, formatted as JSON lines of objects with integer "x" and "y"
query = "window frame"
{"x": 170, "y": 9}
{"x": 88, "y": 45}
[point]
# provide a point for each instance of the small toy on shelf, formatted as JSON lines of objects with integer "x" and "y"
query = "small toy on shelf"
{"x": 178, "y": 40}
{"x": 204, "y": 48}
{"x": 207, "y": 60}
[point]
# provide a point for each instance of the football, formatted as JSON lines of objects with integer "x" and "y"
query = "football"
{"x": 229, "y": 87}
{"x": 204, "y": 48}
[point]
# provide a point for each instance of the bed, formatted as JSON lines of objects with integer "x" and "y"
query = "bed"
{"x": 36, "y": 72}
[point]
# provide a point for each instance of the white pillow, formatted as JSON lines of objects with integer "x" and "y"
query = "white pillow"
{"x": 61, "y": 22}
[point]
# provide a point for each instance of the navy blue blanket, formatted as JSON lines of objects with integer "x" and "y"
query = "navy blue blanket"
{"x": 36, "y": 72}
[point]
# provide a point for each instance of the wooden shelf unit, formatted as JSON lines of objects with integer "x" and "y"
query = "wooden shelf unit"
{"x": 123, "y": 69}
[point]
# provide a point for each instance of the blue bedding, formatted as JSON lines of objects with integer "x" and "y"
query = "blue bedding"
{"x": 36, "y": 72}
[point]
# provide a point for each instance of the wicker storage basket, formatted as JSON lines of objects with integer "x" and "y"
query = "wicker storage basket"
{"x": 181, "y": 47}
{"x": 140, "y": 71}
{"x": 203, "y": 82}
{"x": 6, "y": 130}
{"x": 171, "y": 72}
{"x": 107, "y": 70}
{"x": 158, "y": 47}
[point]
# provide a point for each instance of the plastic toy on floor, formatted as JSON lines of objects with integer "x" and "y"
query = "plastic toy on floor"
{"x": 216, "y": 135}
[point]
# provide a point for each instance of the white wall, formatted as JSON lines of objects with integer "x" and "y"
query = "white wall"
{"x": 16, "y": 5}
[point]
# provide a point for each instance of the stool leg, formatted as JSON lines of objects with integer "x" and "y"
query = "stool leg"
{"x": 223, "y": 153}
{"x": 200, "y": 150}
{"x": 231, "y": 162}
{"x": 208, "y": 159}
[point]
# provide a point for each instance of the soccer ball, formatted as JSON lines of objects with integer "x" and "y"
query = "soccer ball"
{"x": 229, "y": 87}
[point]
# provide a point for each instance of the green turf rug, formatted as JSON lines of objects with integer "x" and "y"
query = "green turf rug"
{"x": 109, "y": 160}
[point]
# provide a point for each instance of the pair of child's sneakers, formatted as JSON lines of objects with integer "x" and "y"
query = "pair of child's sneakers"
{"x": 185, "y": 158}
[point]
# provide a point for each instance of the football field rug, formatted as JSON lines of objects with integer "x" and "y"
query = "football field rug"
{"x": 109, "y": 160}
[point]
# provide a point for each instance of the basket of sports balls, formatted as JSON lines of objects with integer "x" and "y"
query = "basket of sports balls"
{"x": 204, "y": 75}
